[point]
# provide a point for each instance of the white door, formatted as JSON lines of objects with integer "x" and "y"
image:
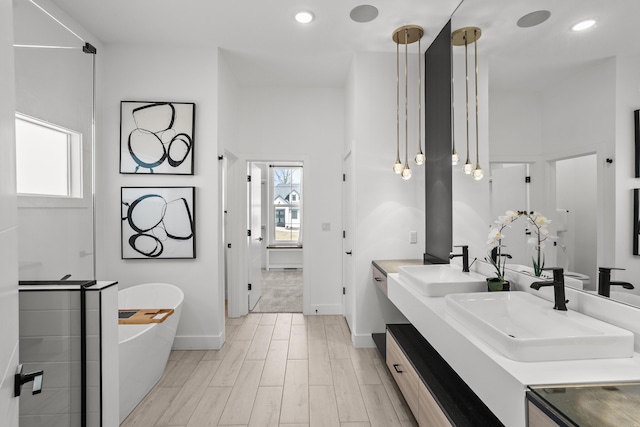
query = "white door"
{"x": 347, "y": 242}
{"x": 254, "y": 240}
{"x": 8, "y": 228}
{"x": 509, "y": 192}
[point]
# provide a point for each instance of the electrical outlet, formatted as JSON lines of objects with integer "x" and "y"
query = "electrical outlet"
{"x": 326, "y": 226}
{"x": 413, "y": 237}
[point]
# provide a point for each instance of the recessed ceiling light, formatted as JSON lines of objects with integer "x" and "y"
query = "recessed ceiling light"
{"x": 534, "y": 18}
{"x": 364, "y": 13}
{"x": 304, "y": 16}
{"x": 580, "y": 26}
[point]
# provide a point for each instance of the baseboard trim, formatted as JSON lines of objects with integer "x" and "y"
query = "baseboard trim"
{"x": 325, "y": 309}
{"x": 363, "y": 341}
{"x": 200, "y": 342}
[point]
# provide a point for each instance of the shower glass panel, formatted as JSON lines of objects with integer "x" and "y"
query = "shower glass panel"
{"x": 54, "y": 81}
{"x": 54, "y": 90}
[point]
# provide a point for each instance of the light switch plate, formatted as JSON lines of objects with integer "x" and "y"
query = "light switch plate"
{"x": 413, "y": 237}
{"x": 326, "y": 226}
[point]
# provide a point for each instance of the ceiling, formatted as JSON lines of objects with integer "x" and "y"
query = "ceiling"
{"x": 260, "y": 38}
{"x": 533, "y": 58}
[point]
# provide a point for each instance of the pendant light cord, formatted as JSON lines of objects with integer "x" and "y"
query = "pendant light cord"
{"x": 477, "y": 134}
{"x": 466, "y": 82}
{"x": 406, "y": 96}
{"x": 420, "y": 100}
{"x": 398, "y": 100}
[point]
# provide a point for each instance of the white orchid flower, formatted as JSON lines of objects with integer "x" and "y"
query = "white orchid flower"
{"x": 495, "y": 234}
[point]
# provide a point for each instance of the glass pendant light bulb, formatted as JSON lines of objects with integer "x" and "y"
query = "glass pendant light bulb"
{"x": 420, "y": 158}
{"x": 468, "y": 167}
{"x": 397, "y": 167}
{"x": 406, "y": 172}
{"x": 478, "y": 173}
{"x": 455, "y": 157}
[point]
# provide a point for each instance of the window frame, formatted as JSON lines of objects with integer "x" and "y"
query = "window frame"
{"x": 76, "y": 176}
{"x": 287, "y": 207}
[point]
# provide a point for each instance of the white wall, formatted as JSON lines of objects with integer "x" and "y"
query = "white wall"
{"x": 387, "y": 208}
{"x": 306, "y": 124}
{"x": 164, "y": 74}
{"x": 8, "y": 222}
{"x": 627, "y": 100}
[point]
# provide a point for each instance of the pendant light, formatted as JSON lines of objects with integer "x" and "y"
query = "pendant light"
{"x": 397, "y": 166}
{"x": 406, "y": 35}
{"x": 461, "y": 37}
{"x": 420, "y": 157}
{"x": 477, "y": 172}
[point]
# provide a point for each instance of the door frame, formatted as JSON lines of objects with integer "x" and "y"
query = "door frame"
{"x": 237, "y": 295}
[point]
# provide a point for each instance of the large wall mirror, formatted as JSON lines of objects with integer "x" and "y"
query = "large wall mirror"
{"x": 555, "y": 128}
{"x": 54, "y": 145}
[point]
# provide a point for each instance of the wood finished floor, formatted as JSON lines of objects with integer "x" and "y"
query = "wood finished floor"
{"x": 276, "y": 369}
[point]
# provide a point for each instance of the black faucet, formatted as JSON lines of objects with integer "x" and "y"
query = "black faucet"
{"x": 605, "y": 283}
{"x": 558, "y": 288}
{"x": 464, "y": 255}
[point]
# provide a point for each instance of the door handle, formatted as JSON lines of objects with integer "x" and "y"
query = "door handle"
{"x": 21, "y": 378}
{"x": 349, "y": 252}
{"x": 260, "y": 239}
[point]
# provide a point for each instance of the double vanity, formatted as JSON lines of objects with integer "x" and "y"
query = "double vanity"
{"x": 508, "y": 357}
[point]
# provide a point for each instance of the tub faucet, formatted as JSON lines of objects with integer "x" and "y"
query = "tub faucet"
{"x": 464, "y": 255}
{"x": 560, "y": 303}
{"x": 605, "y": 283}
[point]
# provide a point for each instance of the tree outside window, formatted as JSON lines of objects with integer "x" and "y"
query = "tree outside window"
{"x": 286, "y": 204}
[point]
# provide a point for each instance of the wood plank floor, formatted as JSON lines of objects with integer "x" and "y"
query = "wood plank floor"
{"x": 282, "y": 369}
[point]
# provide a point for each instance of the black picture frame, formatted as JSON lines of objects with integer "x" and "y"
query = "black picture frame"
{"x": 636, "y": 221}
{"x": 158, "y": 222}
{"x": 157, "y": 137}
{"x": 636, "y": 120}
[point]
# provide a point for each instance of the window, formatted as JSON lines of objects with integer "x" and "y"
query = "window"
{"x": 286, "y": 204}
{"x": 48, "y": 159}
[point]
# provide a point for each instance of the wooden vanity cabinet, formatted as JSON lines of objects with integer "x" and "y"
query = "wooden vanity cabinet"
{"x": 434, "y": 392}
{"x": 429, "y": 413}
{"x": 418, "y": 397}
{"x": 403, "y": 372}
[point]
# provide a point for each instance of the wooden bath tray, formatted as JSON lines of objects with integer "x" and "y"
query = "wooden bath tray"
{"x": 141, "y": 316}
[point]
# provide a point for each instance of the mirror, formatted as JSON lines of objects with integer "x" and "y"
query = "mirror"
{"x": 557, "y": 106}
{"x": 54, "y": 95}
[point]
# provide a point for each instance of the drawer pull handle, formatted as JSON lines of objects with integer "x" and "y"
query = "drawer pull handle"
{"x": 395, "y": 366}
{"x": 377, "y": 279}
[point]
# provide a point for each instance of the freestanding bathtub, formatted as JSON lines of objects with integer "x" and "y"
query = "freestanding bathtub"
{"x": 144, "y": 349}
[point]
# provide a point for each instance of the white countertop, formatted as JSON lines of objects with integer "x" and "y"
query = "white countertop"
{"x": 500, "y": 382}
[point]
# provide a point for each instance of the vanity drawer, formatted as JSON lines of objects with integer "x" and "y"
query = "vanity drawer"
{"x": 380, "y": 279}
{"x": 403, "y": 372}
{"x": 429, "y": 413}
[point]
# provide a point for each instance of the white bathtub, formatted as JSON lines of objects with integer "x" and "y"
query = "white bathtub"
{"x": 144, "y": 349}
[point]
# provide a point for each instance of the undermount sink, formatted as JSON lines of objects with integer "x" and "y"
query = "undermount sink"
{"x": 526, "y": 328}
{"x": 442, "y": 279}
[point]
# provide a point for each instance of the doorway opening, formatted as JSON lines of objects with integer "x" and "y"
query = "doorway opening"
{"x": 275, "y": 213}
{"x": 576, "y": 217}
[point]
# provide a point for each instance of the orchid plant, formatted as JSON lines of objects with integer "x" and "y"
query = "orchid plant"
{"x": 495, "y": 241}
{"x": 540, "y": 224}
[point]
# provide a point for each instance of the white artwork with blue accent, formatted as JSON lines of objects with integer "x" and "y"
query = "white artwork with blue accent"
{"x": 158, "y": 222}
{"x": 157, "y": 137}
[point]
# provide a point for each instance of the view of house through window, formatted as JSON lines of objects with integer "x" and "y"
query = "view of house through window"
{"x": 286, "y": 204}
